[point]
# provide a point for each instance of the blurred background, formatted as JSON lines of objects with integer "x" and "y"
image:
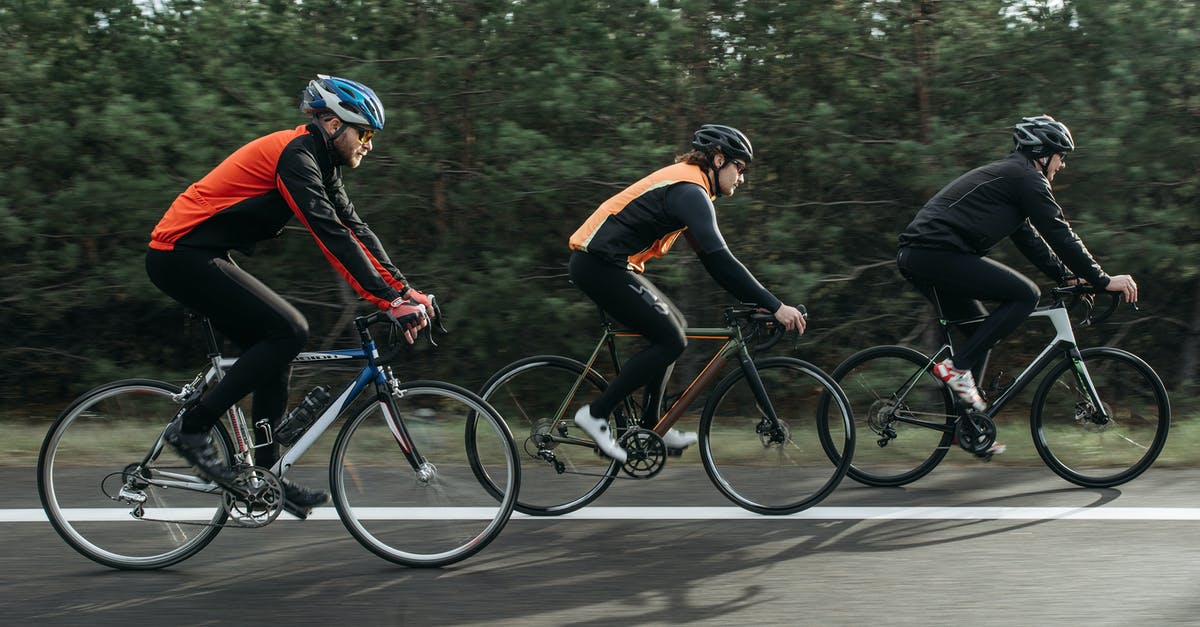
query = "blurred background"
{"x": 508, "y": 122}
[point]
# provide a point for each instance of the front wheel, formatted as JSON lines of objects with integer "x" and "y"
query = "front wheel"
{"x": 114, "y": 491}
{"x": 779, "y": 467}
{"x": 561, "y": 471}
{"x": 437, "y": 514}
{"x": 1094, "y": 448}
{"x": 904, "y": 415}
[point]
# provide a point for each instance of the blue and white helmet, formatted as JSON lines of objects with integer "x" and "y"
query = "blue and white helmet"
{"x": 353, "y": 102}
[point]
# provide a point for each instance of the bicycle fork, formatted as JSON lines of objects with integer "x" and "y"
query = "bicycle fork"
{"x": 389, "y": 393}
{"x": 1096, "y": 413}
{"x": 771, "y": 430}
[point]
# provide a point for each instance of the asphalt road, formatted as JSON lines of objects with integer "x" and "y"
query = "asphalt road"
{"x": 586, "y": 571}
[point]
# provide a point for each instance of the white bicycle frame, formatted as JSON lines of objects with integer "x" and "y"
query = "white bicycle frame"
{"x": 1063, "y": 341}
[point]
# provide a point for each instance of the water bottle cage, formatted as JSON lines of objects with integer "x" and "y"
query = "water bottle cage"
{"x": 303, "y": 416}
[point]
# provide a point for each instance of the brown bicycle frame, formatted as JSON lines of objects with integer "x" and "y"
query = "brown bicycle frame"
{"x": 734, "y": 346}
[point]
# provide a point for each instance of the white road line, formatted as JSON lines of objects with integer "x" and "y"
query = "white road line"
{"x": 675, "y": 513}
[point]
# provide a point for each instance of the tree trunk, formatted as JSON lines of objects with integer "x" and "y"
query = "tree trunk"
{"x": 1189, "y": 362}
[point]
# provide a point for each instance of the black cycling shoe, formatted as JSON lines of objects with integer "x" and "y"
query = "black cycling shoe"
{"x": 199, "y": 451}
{"x": 299, "y": 500}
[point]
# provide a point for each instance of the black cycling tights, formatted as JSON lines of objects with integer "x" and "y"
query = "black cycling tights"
{"x": 268, "y": 330}
{"x": 962, "y": 280}
{"x": 632, "y": 300}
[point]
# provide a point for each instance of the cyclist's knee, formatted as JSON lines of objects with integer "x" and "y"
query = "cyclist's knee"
{"x": 293, "y": 332}
{"x": 676, "y": 345}
{"x": 1029, "y": 295}
{"x": 300, "y": 335}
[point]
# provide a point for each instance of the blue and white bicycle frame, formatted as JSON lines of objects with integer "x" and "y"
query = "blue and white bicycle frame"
{"x": 372, "y": 373}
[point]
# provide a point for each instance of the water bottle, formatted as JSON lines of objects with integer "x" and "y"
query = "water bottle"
{"x": 303, "y": 416}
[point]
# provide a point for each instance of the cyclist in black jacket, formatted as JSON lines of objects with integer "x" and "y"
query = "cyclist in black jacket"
{"x": 944, "y": 248}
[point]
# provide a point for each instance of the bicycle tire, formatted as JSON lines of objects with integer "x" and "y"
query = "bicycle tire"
{"x": 776, "y": 477}
{"x": 1101, "y": 456}
{"x": 423, "y": 521}
{"x": 528, "y": 394}
{"x": 87, "y": 451}
{"x": 871, "y": 379}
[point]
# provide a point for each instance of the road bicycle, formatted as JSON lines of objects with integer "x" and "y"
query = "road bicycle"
{"x": 757, "y": 436}
{"x": 1099, "y": 418}
{"x": 398, "y": 470}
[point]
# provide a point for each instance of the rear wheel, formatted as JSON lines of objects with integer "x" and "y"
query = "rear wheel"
{"x": 903, "y": 414}
{"x": 561, "y": 470}
{"x": 93, "y": 477}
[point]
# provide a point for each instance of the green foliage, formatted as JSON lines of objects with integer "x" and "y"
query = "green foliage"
{"x": 509, "y": 122}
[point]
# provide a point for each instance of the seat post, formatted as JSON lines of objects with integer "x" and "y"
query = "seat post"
{"x": 210, "y": 337}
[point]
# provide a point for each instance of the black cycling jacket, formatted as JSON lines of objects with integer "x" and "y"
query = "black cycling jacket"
{"x": 1006, "y": 198}
{"x": 645, "y": 219}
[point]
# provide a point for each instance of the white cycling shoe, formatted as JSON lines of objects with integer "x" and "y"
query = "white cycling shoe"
{"x": 680, "y": 439}
{"x": 601, "y": 433}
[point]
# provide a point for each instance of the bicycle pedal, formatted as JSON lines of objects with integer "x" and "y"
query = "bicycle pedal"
{"x": 299, "y": 512}
{"x": 675, "y": 452}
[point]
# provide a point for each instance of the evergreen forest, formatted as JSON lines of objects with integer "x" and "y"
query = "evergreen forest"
{"x": 510, "y": 121}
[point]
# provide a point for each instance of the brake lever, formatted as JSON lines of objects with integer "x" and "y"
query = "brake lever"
{"x": 435, "y": 320}
{"x": 1089, "y": 304}
{"x": 803, "y": 314}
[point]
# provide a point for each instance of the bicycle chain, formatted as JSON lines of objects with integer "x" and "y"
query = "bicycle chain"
{"x": 229, "y": 501}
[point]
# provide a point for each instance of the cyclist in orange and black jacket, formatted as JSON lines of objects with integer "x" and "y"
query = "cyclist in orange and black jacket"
{"x": 248, "y": 198}
{"x": 946, "y": 246}
{"x": 640, "y": 223}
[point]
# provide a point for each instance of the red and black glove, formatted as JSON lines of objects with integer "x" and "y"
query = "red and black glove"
{"x": 411, "y": 315}
{"x": 422, "y": 298}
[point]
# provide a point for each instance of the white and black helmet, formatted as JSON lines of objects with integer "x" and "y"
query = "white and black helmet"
{"x": 1042, "y": 136}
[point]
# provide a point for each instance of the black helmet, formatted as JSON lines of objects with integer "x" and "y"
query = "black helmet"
{"x": 1042, "y": 136}
{"x": 732, "y": 142}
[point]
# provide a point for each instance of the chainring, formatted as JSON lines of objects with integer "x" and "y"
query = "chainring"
{"x": 976, "y": 433}
{"x": 259, "y": 502}
{"x": 647, "y": 453}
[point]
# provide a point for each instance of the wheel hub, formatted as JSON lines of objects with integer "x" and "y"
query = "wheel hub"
{"x": 541, "y": 438}
{"x": 772, "y": 434}
{"x": 1092, "y": 420}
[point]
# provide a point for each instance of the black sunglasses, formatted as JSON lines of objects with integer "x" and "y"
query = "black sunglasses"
{"x": 740, "y": 165}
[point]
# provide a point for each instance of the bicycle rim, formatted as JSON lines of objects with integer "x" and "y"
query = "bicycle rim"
{"x": 879, "y": 384}
{"x": 1075, "y": 445}
{"x": 789, "y": 473}
{"x": 431, "y": 521}
{"x": 528, "y": 394}
{"x": 87, "y": 453}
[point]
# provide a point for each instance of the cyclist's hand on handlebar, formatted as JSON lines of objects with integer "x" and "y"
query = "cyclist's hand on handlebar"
{"x": 423, "y": 299}
{"x": 791, "y": 318}
{"x": 411, "y": 316}
{"x": 1124, "y": 284}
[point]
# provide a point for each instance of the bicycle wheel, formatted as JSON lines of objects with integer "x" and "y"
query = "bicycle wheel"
{"x": 784, "y": 474}
{"x": 439, "y": 514}
{"x": 556, "y": 477}
{"x": 1066, "y": 424}
{"x": 94, "y": 453}
{"x": 892, "y": 392}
